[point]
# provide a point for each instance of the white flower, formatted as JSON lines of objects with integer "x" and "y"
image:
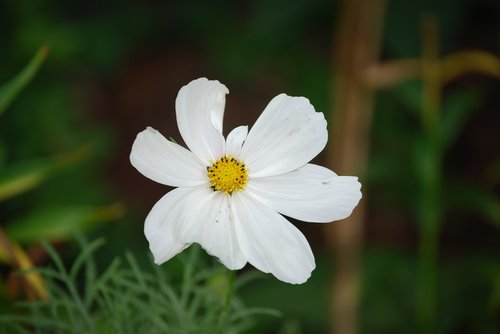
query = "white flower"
{"x": 231, "y": 193}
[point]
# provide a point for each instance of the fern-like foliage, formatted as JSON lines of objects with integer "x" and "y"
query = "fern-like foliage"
{"x": 127, "y": 299}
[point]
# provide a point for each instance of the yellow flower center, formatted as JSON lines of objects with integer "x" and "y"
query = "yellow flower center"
{"x": 228, "y": 175}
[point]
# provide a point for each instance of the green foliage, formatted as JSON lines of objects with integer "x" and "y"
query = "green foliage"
{"x": 126, "y": 298}
{"x": 26, "y": 175}
{"x": 60, "y": 223}
{"x": 466, "y": 297}
{"x": 10, "y": 90}
{"x": 20, "y": 177}
{"x": 305, "y": 307}
{"x": 23, "y": 176}
{"x": 37, "y": 186}
{"x": 476, "y": 200}
{"x": 458, "y": 109}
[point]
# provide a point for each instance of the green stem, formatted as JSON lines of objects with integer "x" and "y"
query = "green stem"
{"x": 227, "y": 302}
{"x": 427, "y": 256}
{"x": 187, "y": 275}
{"x": 430, "y": 180}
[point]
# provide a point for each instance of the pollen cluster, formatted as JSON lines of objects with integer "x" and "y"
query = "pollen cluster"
{"x": 228, "y": 175}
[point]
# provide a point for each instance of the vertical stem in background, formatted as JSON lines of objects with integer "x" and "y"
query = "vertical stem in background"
{"x": 429, "y": 167}
{"x": 355, "y": 48}
{"x": 227, "y": 301}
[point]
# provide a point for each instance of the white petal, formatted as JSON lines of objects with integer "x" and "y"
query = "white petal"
{"x": 286, "y": 136}
{"x": 163, "y": 220}
{"x": 235, "y": 139}
{"x": 165, "y": 162}
{"x": 199, "y": 110}
{"x": 210, "y": 223}
{"x": 270, "y": 242}
{"x": 311, "y": 193}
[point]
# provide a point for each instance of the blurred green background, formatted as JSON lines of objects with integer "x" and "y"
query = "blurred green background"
{"x": 115, "y": 67}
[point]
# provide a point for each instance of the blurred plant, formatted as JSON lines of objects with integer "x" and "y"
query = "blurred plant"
{"x": 438, "y": 133}
{"x": 441, "y": 120}
{"x": 20, "y": 177}
{"x": 10, "y": 90}
{"x": 126, "y": 298}
{"x": 11, "y": 185}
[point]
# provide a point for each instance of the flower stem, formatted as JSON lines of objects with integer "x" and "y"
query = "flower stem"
{"x": 227, "y": 302}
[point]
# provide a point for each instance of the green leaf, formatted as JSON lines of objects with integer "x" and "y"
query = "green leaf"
{"x": 56, "y": 224}
{"x": 475, "y": 199}
{"x": 3, "y": 153}
{"x": 12, "y": 88}
{"x": 84, "y": 257}
{"x": 409, "y": 95}
{"x": 457, "y": 110}
{"x": 24, "y": 176}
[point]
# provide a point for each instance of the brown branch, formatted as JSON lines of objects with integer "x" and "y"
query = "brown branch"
{"x": 355, "y": 49}
{"x": 462, "y": 62}
{"x": 391, "y": 73}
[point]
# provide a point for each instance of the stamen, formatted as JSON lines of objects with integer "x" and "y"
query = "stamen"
{"x": 228, "y": 175}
